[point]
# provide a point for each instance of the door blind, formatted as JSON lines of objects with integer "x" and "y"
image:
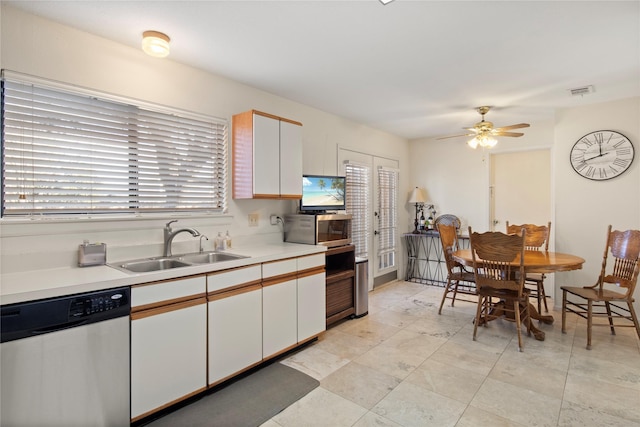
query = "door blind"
{"x": 387, "y": 217}
{"x": 358, "y": 205}
{"x": 67, "y": 152}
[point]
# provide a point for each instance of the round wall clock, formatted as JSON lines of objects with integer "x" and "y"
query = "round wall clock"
{"x": 601, "y": 155}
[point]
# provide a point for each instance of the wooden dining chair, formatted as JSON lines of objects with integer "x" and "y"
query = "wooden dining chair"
{"x": 600, "y": 300}
{"x": 537, "y": 239}
{"x": 456, "y": 272}
{"x": 498, "y": 278}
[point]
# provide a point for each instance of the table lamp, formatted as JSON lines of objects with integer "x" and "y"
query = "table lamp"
{"x": 418, "y": 199}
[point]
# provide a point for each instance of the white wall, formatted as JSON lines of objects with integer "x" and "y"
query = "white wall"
{"x": 456, "y": 180}
{"x": 49, "y": 50}
{"x": 456, "y": 177}
{"x": 585, "y": 208}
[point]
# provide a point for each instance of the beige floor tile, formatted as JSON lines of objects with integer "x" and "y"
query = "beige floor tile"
{"x": 522, "y": 370}
{"x": 367, "y": 328}
{"x": 320, "y": 408}
{"x": 517, "y": 404}
{"x": 447, "y": 380}
{"x": 373, "y": 420}
{"x": 344, "y": 345}
{"x": 391, "y": 361}
{"x": 621, "y": 402}
{"x": 411, "y": 405}
{"x": 315, "y": 362}
{"x": 360, "y": 384}
{"x": 474, "y": 417}
{"x": 393, "y": 318}
{"x": 468, "y": 355}
{"x": 626, "y": 375}
{"x": 572, "y": 415}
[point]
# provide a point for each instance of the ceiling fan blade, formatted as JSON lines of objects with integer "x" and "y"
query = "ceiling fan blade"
{"x": 456, "y": 136}
{"x": 500, "y": 133}
{"x": 518, "y": 126}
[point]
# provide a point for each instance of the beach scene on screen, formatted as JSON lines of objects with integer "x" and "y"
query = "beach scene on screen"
{"x": 318, "y": 191}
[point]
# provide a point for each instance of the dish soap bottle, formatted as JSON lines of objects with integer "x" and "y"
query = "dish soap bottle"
{"x": 227, "y": 240}
{"x": 220, "y": 242}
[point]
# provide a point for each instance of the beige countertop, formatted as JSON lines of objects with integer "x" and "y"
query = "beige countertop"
{"x": 39, "y": 284}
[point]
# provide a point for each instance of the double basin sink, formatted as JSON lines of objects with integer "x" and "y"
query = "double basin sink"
{"x": 176, "y": 261}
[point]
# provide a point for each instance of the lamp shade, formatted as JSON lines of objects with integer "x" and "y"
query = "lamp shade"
{"x": 155, "y": 43}
{"x": 417, "y": 196}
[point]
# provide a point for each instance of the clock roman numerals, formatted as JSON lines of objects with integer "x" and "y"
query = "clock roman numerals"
{"x": 601, "y": 155}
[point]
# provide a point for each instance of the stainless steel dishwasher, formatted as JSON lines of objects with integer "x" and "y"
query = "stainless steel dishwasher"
{"x": 65, "y": 361}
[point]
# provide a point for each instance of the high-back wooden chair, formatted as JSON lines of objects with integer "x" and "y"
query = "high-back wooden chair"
{"x": 537, "y": 239}
{"x": 499, "y": 274}
{"x": 456, "y": 272}
{"x": 600, "y": 300}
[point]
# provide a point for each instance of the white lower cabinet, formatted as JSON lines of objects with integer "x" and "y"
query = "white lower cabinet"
{"x": 168, "y": 348}
{"x": 234, "y": 321}
{"x": 312, "y": 313}
{"x": 279, "y": 317}
{"x": 235, "y": 332}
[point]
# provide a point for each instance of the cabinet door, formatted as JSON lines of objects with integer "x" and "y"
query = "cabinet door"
{"x": 312, "y": 312}
{"x": 266, "y": 156}
{"x": 235, "y": 332}
{"x": 168, "y": 355}
{"x": 290, "y": 159}
{"x": 279, "y": 317}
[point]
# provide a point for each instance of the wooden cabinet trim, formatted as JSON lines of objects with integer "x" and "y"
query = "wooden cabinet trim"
{"x": 166, "y": 405}
{"x": 272, "y": 116}
{"x": 311, "y": 271}
{"x": 279, "y": 279}
{"x": 233, "y": 291}
{"x": 166, "y": 307}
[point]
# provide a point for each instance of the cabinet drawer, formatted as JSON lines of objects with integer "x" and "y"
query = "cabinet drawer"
{"x": 279, "y": 268}
{"x": 150, "y": 294}
{"x": 233, "y": 278}
{"x": 311, "y": 261}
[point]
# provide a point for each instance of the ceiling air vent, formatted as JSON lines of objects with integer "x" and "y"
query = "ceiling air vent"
{"x": 580, "y": 91}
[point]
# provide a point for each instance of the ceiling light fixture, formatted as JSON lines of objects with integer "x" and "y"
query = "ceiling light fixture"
{"x": 155, "y": 43}
{"x": 385, "y": 1}
{"x": 484, "y": 140}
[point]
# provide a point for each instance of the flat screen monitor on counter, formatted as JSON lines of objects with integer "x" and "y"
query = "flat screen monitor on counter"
{"x": 322, "y": 193}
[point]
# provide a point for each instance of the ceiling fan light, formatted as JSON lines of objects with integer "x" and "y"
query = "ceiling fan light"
{"x": 473, "y": 143}
{"x": 155, "y": 43}
{"x": 489, "y": 142}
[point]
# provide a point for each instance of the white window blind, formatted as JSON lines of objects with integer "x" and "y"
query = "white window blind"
{"x": 358, "y": 205}
{"x": 387, "y": 217}
{"x": 69, "y": 152}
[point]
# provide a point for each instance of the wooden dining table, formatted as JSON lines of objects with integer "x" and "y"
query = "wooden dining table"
{"x": 534, "y": 262}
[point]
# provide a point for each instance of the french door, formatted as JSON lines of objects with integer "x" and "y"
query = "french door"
{"x": 372, "y": 194}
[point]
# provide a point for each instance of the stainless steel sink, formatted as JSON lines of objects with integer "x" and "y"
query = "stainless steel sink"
{"x": 208, "y": 257}
{"x": 154, "y": 264}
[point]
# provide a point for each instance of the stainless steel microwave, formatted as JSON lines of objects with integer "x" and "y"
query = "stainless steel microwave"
{"x": 318, "y": 229}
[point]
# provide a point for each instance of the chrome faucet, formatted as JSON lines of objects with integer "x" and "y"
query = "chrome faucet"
{"x": 169, "y": 234}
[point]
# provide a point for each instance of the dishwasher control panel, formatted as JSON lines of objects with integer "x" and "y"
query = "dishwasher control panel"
{"x": 96, "y": 303}
{"x": 28, "y": 319}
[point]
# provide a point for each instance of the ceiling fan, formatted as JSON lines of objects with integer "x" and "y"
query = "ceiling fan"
{"x": 484, "y": 133}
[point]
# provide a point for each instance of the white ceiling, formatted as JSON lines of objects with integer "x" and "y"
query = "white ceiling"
{"x": 412, "y": 68}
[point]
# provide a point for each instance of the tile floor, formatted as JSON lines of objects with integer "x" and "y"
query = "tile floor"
{"x": 405, "y": 365}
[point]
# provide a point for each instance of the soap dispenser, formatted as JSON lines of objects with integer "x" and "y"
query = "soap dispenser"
{"x": 227, "y": 240}
{"x": 220, "y": 242}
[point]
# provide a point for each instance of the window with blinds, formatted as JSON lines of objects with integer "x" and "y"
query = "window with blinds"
{"x": 65, "y": 151}
{"x": 358, "y": 205}
{"x": 387, "y": 217}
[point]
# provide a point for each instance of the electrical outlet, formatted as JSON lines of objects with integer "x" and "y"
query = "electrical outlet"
{"x": 274, "y": 219}
{"x": 253, "y": 219}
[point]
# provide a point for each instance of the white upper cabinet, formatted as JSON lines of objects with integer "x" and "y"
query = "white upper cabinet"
{"x": 267, "y": 157}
